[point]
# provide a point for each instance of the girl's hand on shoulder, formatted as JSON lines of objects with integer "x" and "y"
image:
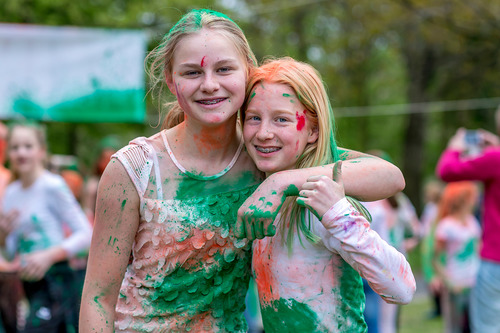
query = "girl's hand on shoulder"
{"x": 320, "y": 193}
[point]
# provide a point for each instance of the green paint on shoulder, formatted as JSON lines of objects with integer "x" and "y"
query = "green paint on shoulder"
{"x": 124, "y": 202}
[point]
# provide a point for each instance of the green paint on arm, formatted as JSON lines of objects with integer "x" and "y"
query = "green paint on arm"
{"x": 114, "y": 241}
{"x": 291, "y": 191}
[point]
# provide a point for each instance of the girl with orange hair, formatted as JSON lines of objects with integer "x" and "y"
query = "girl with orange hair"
{"x": 309, "y": 274}
{"x": 457, "y": 238}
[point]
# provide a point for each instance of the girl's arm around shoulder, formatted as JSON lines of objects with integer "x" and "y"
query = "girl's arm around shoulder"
{"x": 369, "y": 178}
{"x": 386, "y": 269}
{"x": 116, "y": 224}
{"x": 366, "y": 178}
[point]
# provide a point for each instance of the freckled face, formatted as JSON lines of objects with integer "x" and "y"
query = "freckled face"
{"x": 276, "y": 129}
{"x": 25, "y": 152}
{"x": 208, "y": 78}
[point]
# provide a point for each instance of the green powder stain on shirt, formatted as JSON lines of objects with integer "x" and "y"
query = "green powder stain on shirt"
{"x": 191, "y": 187}
{"x": 468, "y": 250}
{"x": 288, "y": 315}
{"x": 350, "y": 317}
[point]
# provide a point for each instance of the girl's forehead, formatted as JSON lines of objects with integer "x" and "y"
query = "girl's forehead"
{"x": 23, "y": 132}
{"x": 208, "y": 41}
{"x": 275, "y": 88}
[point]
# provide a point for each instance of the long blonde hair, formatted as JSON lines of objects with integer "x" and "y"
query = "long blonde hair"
{"x": 307, "y": 84}
{"x": 161, "y": 58}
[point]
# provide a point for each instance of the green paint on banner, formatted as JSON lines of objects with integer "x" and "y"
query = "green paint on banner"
{"x": 101, "y": 106}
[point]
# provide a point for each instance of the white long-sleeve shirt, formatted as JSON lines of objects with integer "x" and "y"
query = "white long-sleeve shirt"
{"x": 318, "y": 288}
{"x": 44, "y": 207}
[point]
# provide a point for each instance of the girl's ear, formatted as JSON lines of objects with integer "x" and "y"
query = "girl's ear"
{"x": 313, "y": 135}
{"x": 170, "y": 84}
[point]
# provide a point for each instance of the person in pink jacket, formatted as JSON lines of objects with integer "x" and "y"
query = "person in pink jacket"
{"x": 455, "y": 164}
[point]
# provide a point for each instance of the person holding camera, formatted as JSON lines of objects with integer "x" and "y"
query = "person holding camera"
{"x": 462, "y": 160}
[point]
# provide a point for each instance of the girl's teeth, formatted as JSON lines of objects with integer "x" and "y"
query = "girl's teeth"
{"x": 266, "y": 150}
{"x": 214, "y": 101}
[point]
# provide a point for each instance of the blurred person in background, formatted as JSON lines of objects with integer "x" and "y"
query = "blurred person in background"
{"x": 457, "y": 236}
{"x": 10, "y": 285}
{"x": 475, "y": 156}
{"x": 432, "y": 194}
{"x": 396, "y": 221}
{"x": 36, "y": 205}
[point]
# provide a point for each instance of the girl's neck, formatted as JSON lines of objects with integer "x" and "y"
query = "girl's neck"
{"x": 215, "y": 142}
{"x": 28, "y": 179}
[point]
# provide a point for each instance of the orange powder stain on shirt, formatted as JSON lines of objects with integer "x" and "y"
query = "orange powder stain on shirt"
{"x": 266, "y": 283}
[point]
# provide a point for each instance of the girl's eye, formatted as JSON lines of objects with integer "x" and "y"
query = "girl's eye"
{"x": 224, "y": 69}
{"x": 281, "y": 120}
{"x": 191, "y": 73}
{"x": 252, "y": 118}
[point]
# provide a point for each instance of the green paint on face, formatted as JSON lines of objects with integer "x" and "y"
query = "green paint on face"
{"x": 287, "y": 95}
{"x": 124, "y": 202}
{"x": 251, "y": 96}
{"x": 288, "y": 315}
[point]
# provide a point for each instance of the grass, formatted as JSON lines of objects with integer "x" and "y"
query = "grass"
{"x": 414, "y": 317}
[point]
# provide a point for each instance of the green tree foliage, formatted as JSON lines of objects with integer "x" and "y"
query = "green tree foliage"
{"x": 383, "y": 62}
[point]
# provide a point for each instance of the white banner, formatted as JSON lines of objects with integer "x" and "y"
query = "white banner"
{"x": 71, "y": 74}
